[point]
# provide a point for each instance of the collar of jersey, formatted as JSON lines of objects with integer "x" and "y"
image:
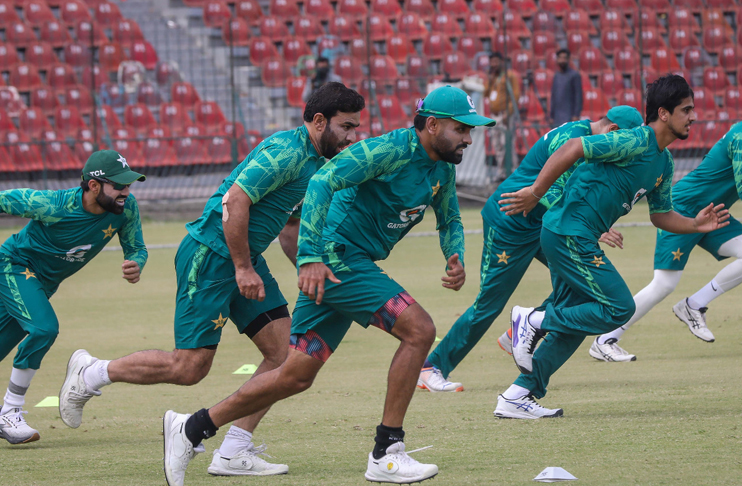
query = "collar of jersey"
{"x": 312, "y": 151}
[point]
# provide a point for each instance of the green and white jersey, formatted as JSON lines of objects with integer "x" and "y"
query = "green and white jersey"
{"x": 717, "y": 179}
{"x": 63, "y": 236}
{"x": 621, "y": 167}
{"x": 275, "y": 177}
{"x": 373, "y": 193}
{"x": 527, "y": 172}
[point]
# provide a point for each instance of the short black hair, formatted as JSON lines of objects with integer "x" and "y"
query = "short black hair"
{"x": 331, "y": 98}
{"x": 496, "y": 55}
{"x": 419, "y": 122}
{"x": 666, "y": 92}
{"x": 564, "y": 51}
{"x": 85, "y": 186}
{"x": 322, "y": 59}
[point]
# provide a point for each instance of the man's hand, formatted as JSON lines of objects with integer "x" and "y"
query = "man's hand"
{"x": 612, "y": 238}
{"x": 710, "y": 218}
{"x": 250, "y": 283}
{"x": 522, "y": 201}
{"x": 131, "y": 271}
{"x": 456, "y": 273}
{"x": 312, "y": 280}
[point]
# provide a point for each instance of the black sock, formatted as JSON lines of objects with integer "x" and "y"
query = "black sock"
{"x": 386, "y": 436}
{"x": 199, "y": 427}
{"x": 428, "y": 364}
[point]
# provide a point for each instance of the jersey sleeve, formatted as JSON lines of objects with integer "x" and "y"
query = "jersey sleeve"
{"x": 358, "y": 163}
{"x": 614, "y": 147}
{"x": 130, "y": 236}
{"x": 554, "y": 193}
{"x": 448, "y": 217}
{"x": 270, "y": 169}
{"x": 660, "y": 197}
{"x": 44, "y": 206}
{"x": 735, "y": 153}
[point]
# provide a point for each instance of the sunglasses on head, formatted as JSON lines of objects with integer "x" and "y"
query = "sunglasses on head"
{"x": 116, "y": 185}
{"x": 434, "y": 112}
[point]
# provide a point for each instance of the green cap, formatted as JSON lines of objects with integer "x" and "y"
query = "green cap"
{"x": 450, "y": 102}
{"x": 625, "y": 117}
{"x": 111, "y": 165}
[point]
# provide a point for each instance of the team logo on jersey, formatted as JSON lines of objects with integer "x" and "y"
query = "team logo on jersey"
{"x": 639, "y": 194}
{"x": 123, "y": 161}
{"x": 408, "y": 216}
{"x": 77, "y": 254}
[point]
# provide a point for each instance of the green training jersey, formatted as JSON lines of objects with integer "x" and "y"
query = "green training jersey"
{"x": 717, "y": 179}
{"x": 62, "y": 236}
{"x": 526, "y": 174}
{"x": 373, "y": 193}
{"x": 274, "y": 176}
{"x": 621, "y": 167}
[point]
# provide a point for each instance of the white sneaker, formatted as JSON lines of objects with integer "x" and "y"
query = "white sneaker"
{"x": 525, "y": 337}
{"x": 610, "y": 351}
{"x": 247, "y": 462}
{"x": 74, "y": 393}
{"x": 694, "y": 319}
{"x": 178, "y": 449}
{"x": 398, "y": 467}
{"x": 14, "y": 429}
{"x": 506, "y": 341}
{"x": 432, "y": 379}
{"x": 524, "y": 408}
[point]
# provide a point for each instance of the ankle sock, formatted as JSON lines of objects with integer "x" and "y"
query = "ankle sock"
{"x": 515, "y": 392}
{"x": 386, "y": 436}
{"x": 536, "y": 318}
{"x": 237, "y": 439}
{"x": 199, "y": 426}
{"x": 96, "y": 375}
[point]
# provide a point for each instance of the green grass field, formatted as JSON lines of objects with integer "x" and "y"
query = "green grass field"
{"x": 671, "y": 417}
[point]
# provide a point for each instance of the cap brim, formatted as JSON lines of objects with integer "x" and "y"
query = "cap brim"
{"x": 475, "y": 120}
{"x": 127, "y": 177}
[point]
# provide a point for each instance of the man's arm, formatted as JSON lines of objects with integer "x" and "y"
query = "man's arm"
{"x": 28, "y": 203}
{"x": 132, "y": 243}
{"x": 289, "y": 238}
{"x": 708, "y": 219}
{"x": 450, "y": 233}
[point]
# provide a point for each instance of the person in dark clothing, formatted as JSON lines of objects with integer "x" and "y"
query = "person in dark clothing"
{"x": 322, "y": 75}
{"x": 566, "y": 92}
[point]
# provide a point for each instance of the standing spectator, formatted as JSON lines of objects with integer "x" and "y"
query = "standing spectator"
{"x": 322, "y": 75}
{"x": 566, "y": 92}
{"x": 502, "y": 91}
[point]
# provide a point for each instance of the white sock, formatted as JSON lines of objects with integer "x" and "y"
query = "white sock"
{"x": 708, "y": 292}
{"x": 96, "y": 375}
{"x": 536, "y": 318}
{"x": 15, "y": 396}
{"x": 515, "y": 392}
{"x": 236, "y": 440}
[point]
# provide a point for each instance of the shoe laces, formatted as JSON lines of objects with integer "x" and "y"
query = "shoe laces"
{"x": 15, "y": 416}
{"x": 404, "y": 458}
{"x": 258, "y": 450}
{"x": 436, "y": 377}
{"x": 533, "y": 337}
{"x": 81, "y": 398}
{"x": 616, "y": 349}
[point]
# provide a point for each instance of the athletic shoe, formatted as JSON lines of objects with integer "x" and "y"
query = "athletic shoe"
{"x": 247, "y": 462}
{"x": 178, "y": 449}
{"x": 506, "y": 341}
{"x": 398, "y": 467}
{"x": 74, "y": 393}
{"x": 524, "y": 408}
{"x": 694, "y": 319}
{"x": 525, "y": 337}
{"x": 610, "y": 351}
{"x": 14, "y": 429}
{"x": 432, "y": 379}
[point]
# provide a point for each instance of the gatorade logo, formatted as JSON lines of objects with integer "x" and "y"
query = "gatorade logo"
{"x": 639, "y": 194}
{"x": 77, "y": 254}
{"x": 408, "y": 216}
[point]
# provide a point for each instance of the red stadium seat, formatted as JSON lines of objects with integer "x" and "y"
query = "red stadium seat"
{"x": 383, "y": 69}
{"x": 542, "y": 81}
{"x": 530, "y": 107}
{"x": 352, "y": 8}
{"x": 44, "y": 98}
{"x": 219, "y": 150}
{"x": 592, "y": 61}
{"x": 261, "y": 48}
{"x": 445, "y": 24}
{"x": 729, "y": 58}
{"x": 622, "y": 5}
{"x": 490, "y": 8}
{"x": 25, "y": 156}
{"x": 293, "y": 49}
{"x": 435, "y": 46}
{"x": 321, "y": 9}
{"x": 525, "y": 8}
{"x": 506, "y": 42}
{"x": 626, "y": 59}
{"x": 68, "y": 121}
{"x": 250, "y": 10}
{"x": 715, "y": 79}
{"x": 8, "y": 16}
{"x": 723, "y": 5}
{"x": 408, "y": 91}
{"x": 37, "y": 13}
{"x": 455, "y": 64}
{"x": 6, "y": 124}
{"x": 175, "y": 117}
{"x": 557, "y": 7}
{"x": 10, "y": 102}
{"x": 522, "y": 61}
{"x": 514, "y": 25}
{"x": 359, "y": 50}
{"x": 73, "y": 11}
{"x": 243, "y": 144}
{"x": 612, "y": 40}
{"x": 275, "y": 72}
{"x": 594, "y": 104}
{"x": 543, "y": 42}
{"x": 577, "y": 41}
{"x": 613, "y": 20}
{"x": 33, "y": 122}
{"x": 191, "y": 150}
{"x": 210, "y": 115}
{"x": 216, "y": 13}
{"x": 578, "y": 20}
{"x": 125, "y": 143}
{"x": 59, "y": 157}
{"x": 682, "y": 38}
{"x": 479, "y": 25}
{"x": 79, "y": 97}
{"x": 295, "y": 91}
{"x": 664, "y": 60}
{"x": 144, "y": 52}
{"x": 705, "y": 106}
{"x": 90, "y": 33}
{"x": 715, "y": 38}
{"x": 389, "y": 8}
{"x": 412, "y": 25}
{"x": 525, "y": 137}
{"x": 392, "y": 113}
{"x": 308, "y": 27}
{"x": 83, "y": 150}
{"x": 148, "y": 94}
{"x": 423, "y": 8}
{"x": 610, "y": 82}
{"x": 732, "y": 100}
{"x": 6, "y": 162}
{"x": 184, "y": 93}
{"x": 106, "y": 119}
{"x": 456, "y": 8}
{"x": 107, "y": 13}
{"x": 77, "y": 55}
{"x": 344, "y": 27}
{"x": 24, "y": 77}
{"x": 8, "y": 56}
{"x": 273, "y": 28}
{"x": 682, "y": 17}
{"x": 470, "y": 45}
{"x": 417, "y": 67}
{"x": 55, "y": 33}
{"x": 711, "y": 17}
{"x": 694, "y": 58}
{"x": 41, "y": 55}
{"x": 593, "y": 7}
{"x": 138, "y": 118}
{"x": 167, "y": 72}
{"x": 545, "y": 21}
{"x": 111, "y": 55}
{"x": 650, "y": 20}
{"x": 328, "y": 43}
{"x": 378, "y": 27}
{"x": 658, "y": 6}
{"x": 651, "y": 39}
{"x": 398, "y": 47}
{"x": 157, "y": 152}
{"x": 20, "y": 35}
{"x": 284, "y": 9}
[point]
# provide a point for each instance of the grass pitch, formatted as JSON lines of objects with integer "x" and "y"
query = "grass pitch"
{"x": 671, "y": 417}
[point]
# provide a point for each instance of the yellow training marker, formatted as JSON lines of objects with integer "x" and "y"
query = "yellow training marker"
{"x": 48, "y": 402}
{"x": 247, "y": 369}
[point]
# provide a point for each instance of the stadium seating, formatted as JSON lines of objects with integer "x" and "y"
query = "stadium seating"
{"x": 308, "y": 27}
{"x": 321, "y": 9}
{"x": 273, "y": 28}
{"x": 250, "y": 10}
{"x": 398, "y": 47}
{"x": 521, "y": 60}
{"x": 44, "y": 98}
{"x": 217, "y": 12}
{"x": 68, "y": 121}
{"x": 378, "y": 27}
{"x": 578, "y": 20}
{"x": 435, "y": 46}
{"x": 284, "y": 9}
{"x": 470, "y": 45}
{"x": 454, "y": 64}
{"x": 107, "y": 13}
{"x": 543, "y": 42}
{"x": 417, "y": 67}
{"x": 274, "y": 72}
{"x": 55, "y": 33}
{"x": 61, "y": 76}
{"x": 354, "y": 9}
{"x": 445, "y": 24}
{"x": 592, "y": 61}
{"x": 423, "y": 8}
{"x": 262, "y": 48}
{"x": 479, "y": 25}
{"x": 293, "y": 49}
{"x": 79, "y": 97}
{"x": 294, "y": 90}
{"x": 344, "y": 27}
{"x": 412, "y": 25}
{"x": 490, "y": 8}
{"x": 20, "y": 35}
{"x": 389, "y": 8}
{"x": 595, "y": 104}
